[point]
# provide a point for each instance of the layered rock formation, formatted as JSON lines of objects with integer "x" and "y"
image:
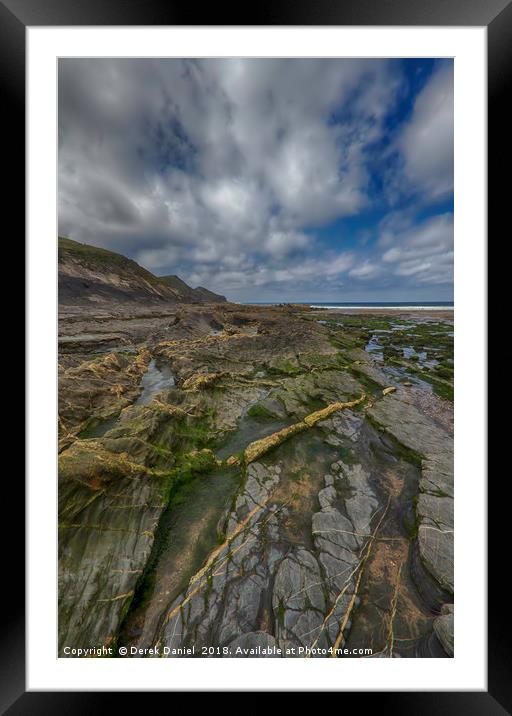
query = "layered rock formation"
{"x": 243, "y": 481}
{"x": 434, "y": 509}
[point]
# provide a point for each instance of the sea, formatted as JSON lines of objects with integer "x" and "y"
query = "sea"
{"x": 392, "y": 305}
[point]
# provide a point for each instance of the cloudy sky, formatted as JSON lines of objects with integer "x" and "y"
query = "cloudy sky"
{"x": 265, "y": 180}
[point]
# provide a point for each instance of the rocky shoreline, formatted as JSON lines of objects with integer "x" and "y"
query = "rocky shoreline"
{"x": 282, "y": 485}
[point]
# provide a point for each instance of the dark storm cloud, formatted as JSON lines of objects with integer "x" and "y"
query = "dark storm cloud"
{"x": 228, "y": 172}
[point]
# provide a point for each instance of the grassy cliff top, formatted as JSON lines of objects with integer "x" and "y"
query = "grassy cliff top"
{"x": 94, "y": 257}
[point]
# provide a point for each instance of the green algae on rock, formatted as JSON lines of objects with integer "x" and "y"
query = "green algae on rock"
{"x": 264, "y": 498}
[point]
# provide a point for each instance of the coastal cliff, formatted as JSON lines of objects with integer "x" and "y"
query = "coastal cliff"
{"x": 92, "y": 275}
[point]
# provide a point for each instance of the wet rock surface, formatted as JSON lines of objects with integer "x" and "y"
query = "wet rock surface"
{"x": 443, "y": 628}
{"x": 268, "y": 497}
{"x": 434, "y": 509}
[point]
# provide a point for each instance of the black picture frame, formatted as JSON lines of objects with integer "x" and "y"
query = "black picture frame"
{"x": 15, "y": 17}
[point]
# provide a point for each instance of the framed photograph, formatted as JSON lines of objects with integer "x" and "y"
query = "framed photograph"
{"x": 256, "y": 271}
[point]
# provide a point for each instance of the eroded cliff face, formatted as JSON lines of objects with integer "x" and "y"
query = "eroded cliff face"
{"x": 89, "y": 275}
{"x": 241, "y": 481}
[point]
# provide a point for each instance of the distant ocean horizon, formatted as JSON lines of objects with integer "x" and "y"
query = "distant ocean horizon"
{"x": 440, "y": 305}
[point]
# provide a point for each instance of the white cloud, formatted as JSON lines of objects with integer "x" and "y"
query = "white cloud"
{"x": 280, "y": 243}
{"x": 224, "y": 171}
{"x": 427, "y": 140}
{"x": 236, "y": 151}
{"x": 365, "y": 270}
{"x": 423, "y": 251}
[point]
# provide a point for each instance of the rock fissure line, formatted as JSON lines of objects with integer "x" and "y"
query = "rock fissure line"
{"x": 394, "y": 604}
{"x": 366, "y": 549}
{"x": 348, "y": 611}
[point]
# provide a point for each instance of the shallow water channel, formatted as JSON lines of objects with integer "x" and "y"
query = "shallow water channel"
{"x": 187, "y": 532}
{"x": 157, "y": 378}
